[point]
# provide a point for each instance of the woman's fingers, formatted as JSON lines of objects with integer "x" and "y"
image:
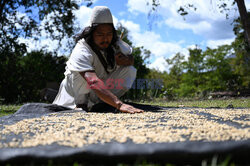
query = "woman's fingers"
{"x": 130, "y": 109}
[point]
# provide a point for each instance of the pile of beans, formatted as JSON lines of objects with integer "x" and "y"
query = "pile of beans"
{"x": 78, "y": 129}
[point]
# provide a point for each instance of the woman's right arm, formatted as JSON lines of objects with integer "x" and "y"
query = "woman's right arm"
{"x": 105, "y": 95}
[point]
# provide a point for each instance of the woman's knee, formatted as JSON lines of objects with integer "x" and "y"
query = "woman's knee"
{"x": 130, "y": 72}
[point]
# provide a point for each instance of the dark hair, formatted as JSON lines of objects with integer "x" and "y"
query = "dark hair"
{"x": 87, "y": 34}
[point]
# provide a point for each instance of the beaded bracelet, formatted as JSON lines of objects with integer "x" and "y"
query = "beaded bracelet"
{"x": 119, "y": 106}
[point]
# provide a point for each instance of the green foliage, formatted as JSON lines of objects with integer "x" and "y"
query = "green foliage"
{"x": 192, "y": 79}
{"x": 155, "y": 92}
{"x": 225, "y": 68}
{"x": 220, "y": 73}
{"x": 241, "y": 62}
{"x": 38, "y": 69}
{"x": 24, "y": 76}
{"x": 172, "y": 83}
{"x": 203, "y": 72}
{"x": 140, "y": 57}
{"x": 15, "y": 24}
{"x": 10, "y": 68}
{"x": 8, "y": 109}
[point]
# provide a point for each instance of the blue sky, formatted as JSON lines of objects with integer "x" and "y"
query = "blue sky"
{"x": 170, "y": 33}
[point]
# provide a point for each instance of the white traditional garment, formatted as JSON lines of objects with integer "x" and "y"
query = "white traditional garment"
{"x": 74, "y": 88}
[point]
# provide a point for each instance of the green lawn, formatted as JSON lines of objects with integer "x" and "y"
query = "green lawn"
{"x": 221, "y": 103}
{"x": 8, "y": 109}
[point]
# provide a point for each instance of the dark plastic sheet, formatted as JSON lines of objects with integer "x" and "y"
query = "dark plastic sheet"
{"x": 188, "y": 152}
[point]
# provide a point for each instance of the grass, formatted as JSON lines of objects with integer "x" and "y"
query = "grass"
{"x": 8, "y": 109}
{"x": 220, "y": 103}
{"x": 213, "y": 161}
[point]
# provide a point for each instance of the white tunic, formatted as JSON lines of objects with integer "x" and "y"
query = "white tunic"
{"x": 74, "y": 89}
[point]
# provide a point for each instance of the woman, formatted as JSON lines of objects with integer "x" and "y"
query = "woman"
{"x": 99, "y": 68}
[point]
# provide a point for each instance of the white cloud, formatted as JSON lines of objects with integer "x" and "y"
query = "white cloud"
{"x": 160, "y": 61}
{"x": 247, "y": 3}
{"x": 206, "y": 21}
{"x": 165, "y": 48}
{"x": 216, "y": 43}
{"x": 198, "y": 28}
{"x": 45, "y": 42}
{"x": 122, "y": 13}
{"x": 154, "y": 43}
{"x": 159, "y": 49}
{"x": 82, "y": 16}
{"x": 20, "y": 16}
{"x": 159, "y": 64}
{"x": 138, "y": 6}
{"x": 192, "y": 46}
{"x": 84, "y": 2}
{"x": 131, "y": 26}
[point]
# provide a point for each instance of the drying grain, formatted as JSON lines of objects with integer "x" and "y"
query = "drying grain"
{"x": 79, "y": 129}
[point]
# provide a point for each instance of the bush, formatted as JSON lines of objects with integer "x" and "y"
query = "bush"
{"x": 25, "y": 76}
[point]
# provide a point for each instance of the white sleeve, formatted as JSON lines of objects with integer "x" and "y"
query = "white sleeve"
{"x": 81, "y": 58}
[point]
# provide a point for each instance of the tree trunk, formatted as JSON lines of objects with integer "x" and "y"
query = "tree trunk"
{"x": 2, "y": 4}
{"x": 245, "y": 19}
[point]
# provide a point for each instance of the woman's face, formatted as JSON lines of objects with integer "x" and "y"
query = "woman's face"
{"x": 103, "y": 35}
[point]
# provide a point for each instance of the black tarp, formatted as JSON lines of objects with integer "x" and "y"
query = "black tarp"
{"x": 188, "y": 152}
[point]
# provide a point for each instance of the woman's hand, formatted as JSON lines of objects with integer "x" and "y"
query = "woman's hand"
{"x": 129, "y": 109}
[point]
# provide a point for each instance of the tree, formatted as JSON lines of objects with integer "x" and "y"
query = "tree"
{"x": 241, "y": 60}
{"x": 245, "y": 18}
{"x": 10, "y": 72}
{"x": 203, "y": 72}
{"x": 176, "y": 70}
{"x": 14, "y": 24}
{"x": 22, "y": 77}
{"x": 163, "y": 79}
{"x": 219, "y": 72}
{"x": 17, "y": 21}
{"x": 192, "y": 78}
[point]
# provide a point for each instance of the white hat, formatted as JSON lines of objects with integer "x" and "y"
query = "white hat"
{"x": 101, "y": 15}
